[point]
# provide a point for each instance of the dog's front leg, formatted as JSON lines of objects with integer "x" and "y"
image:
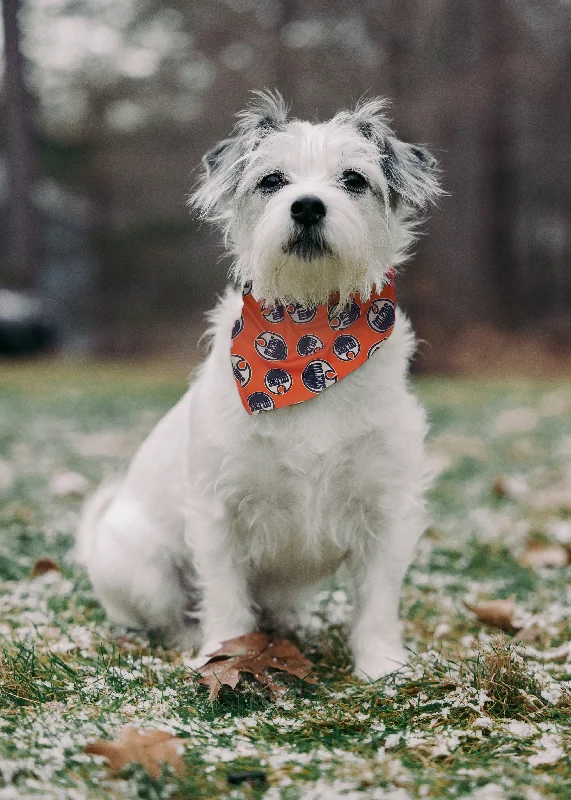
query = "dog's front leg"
{"x": 378, "y": 571}
{"x": 226, "y": 607}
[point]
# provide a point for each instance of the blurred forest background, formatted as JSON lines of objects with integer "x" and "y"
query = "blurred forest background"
{"x": 108, "y": 105}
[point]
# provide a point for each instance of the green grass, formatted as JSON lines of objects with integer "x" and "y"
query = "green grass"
{"x": 477, "y": 713}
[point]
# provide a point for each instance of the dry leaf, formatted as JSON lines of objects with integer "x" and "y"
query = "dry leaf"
{"x": 44, "y": 565}
{"x": 539, "y": 554}
{"x": 511, "y": 487}
{"x": 254, "y": 653}
{"x": 499, "y": 488}
{"x": 503, "y": 614}
{"x": 150, "y": 748}
{"x": 498, "y": 613}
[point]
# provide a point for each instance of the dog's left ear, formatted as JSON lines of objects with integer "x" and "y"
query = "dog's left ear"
{"x": 411, "y": 171}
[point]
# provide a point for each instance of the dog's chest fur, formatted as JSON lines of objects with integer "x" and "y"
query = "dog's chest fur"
{"x": 302, "y": 485}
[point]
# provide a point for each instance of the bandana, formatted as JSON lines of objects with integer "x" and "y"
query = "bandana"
{"x": 285, "y": 355}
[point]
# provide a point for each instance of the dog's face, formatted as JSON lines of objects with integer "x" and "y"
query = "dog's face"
{"x": 313, "y": 209}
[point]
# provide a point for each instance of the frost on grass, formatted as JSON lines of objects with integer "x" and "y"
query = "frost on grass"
{"x": 478, "y": 713}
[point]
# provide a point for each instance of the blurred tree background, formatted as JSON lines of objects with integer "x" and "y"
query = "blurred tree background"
{"x": 121, "y": 98}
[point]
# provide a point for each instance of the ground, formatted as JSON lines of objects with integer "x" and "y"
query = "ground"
{"x": 479, "y": 713}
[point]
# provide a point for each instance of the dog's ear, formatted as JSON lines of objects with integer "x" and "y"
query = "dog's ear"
{"x": 411, "y": 171}
{"x": 221, "y": 171}
{"x": 213, "y": 159}
{"x": 266, "y": 113}
{"x": 223, "y": 165}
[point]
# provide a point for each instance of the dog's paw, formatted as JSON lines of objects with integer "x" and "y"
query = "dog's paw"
{"x": 378, "y": 662}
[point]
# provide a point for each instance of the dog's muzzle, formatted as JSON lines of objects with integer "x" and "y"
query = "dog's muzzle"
{"x": 308, "y": 242}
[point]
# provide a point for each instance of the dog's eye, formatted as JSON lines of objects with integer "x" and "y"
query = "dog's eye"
{"x": 273, "y": 182}
{"x": 353, "y": 181}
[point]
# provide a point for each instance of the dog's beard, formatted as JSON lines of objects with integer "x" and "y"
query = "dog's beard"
{"x": 290, "y": 278}
{"x": 307, "y": 244}
{"x": 288, "y": 263}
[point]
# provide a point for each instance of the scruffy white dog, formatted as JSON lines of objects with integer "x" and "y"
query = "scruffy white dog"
{"x": 226, "y": 518}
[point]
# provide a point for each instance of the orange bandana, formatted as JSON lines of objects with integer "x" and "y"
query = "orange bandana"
{"x": 283, "y": 355}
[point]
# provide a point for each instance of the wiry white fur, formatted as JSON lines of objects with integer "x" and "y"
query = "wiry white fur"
{"x": 365, "y": 235}
{"x": 224, "y": 519}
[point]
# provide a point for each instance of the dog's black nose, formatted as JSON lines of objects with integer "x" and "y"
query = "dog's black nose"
{"x": 307, "y": 210}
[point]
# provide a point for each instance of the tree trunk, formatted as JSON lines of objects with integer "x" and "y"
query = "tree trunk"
{"x": 23, "y": 234}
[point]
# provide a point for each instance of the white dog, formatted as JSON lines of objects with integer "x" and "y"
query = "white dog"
{"x": 228, "y": 517}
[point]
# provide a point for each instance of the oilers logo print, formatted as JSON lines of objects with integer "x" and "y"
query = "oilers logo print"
{"x": 381, "y": 315}
{"x": 341, "y": 317}
{"x": 301, "y": 314}
{"x": 286, "y": 354}
{"x": 346, "y": 347}
{"x": 238, "y": 327}
{"x": 271, "y": 346}
{"x": 272, "y": 314}
{"x": 242, "y": 370}
{"x": 318, "y": 375}
{"x": 278, "y": 381}
{"x": 260, "y": 401}
{"x": 309, "y": 345}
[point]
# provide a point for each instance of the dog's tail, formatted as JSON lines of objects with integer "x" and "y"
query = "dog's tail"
{"x": 93, "y": 510}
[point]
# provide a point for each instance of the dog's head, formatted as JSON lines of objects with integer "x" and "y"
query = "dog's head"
{"x": 311, "y": 209}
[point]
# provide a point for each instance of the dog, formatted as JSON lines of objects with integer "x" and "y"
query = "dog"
{"x": 240, "y": 502}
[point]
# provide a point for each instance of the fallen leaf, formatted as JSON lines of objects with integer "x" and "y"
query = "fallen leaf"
{"x": 510, "y": 487}
{"x": 540, "y": 554}
{"x": 150, "y": 748}
{"x": 44, "y": 565}
{"x": 499, "y": 613}
{"x": 253, "y": 653}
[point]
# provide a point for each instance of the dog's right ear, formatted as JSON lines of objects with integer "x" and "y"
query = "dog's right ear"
{"x": 223, "y": 165}
{"x": 213, "y": 159}
{"x": 410, "y": 170}
{"x": 221, "y": 171}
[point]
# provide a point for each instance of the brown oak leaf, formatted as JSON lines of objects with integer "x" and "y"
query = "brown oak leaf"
{"x": 499, "y": 613}
{"x": 540, "y": 554}
{"x": 43, "y": 565}
{"x": 150, "y": 748}
{"x": 254, "y": 653}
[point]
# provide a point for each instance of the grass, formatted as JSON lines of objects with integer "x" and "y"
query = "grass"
{"x": 477, "y": 714}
